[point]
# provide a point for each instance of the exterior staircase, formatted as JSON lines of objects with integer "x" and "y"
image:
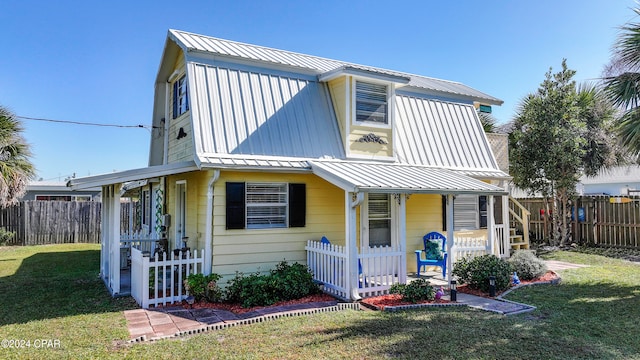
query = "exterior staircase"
{"x": 517, "y": 242}
{"x": 518, "y": 220}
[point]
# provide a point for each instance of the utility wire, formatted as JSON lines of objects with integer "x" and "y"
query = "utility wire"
{"x": 87, "y": 123}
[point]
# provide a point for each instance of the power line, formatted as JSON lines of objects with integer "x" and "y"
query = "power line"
{"x": 86, "y": 123}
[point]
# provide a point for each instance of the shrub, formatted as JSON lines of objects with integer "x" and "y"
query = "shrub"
{"x": 204, "y": 287}
{"x": 476, "y": 272}
{"x": 6, "y": 236}
{"x": 285, "y": 282}
{"x": 415, "y": 291}
{"x": 527, "y": 265}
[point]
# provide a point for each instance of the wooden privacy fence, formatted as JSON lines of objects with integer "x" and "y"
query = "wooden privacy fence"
{"x": 52, "y": 222}
{"x": 595, "y": 220}
{"x": 57, "y": 222}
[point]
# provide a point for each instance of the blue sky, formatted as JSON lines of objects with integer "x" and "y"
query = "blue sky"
{"x": 96, "y": 61}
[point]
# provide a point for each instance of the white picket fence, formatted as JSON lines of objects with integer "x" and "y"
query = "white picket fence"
{"x": 379, "y": 268}
{"x": 328, "y": 263}
{"x": 160, "y": 279}
{"x": 382, "y": 267}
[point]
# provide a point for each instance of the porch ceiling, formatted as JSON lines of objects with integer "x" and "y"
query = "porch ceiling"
{"x": 398, "y": 178}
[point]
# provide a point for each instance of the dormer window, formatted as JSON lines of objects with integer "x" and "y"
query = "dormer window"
{"x": 372, "y": 103}
{"x": 180, "y": 97}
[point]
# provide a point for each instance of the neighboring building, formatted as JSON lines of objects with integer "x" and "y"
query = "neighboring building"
{"x": 620, "y": 180}
{"x": 59, "y": 191}
{"x": 256, "y": 150}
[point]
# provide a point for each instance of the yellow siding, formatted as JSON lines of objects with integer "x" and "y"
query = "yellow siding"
{"x": 251, "y": 250}
{"x": 424, "y": 214}
{"x": 196, "y": 185}
{"x": 179, "y": 149}
{"x": 338, "y": 90}
{"x": 370, "y": 149}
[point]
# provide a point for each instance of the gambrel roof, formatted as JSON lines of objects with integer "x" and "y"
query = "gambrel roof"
{"x": 191, "y": 43}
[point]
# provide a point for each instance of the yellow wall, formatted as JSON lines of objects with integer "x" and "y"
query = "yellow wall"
{"x": 424, "y": 214}
{"x": 179, "y": 149}
{"x": 342, "y": 96}
{"x": 250, "y": 250}
{"x": 196, "y": 185}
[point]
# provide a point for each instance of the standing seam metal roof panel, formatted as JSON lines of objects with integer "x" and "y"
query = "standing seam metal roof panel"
{"x": 318, "y": 64}
{"x": 379, "y": 177}
{"x": 242, "y": 112}
{"x": 441, "y": 134}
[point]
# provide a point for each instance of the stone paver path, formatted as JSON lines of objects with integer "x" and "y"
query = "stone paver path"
{"x": 555, "y": 265}
{"x": 157, "y": 323}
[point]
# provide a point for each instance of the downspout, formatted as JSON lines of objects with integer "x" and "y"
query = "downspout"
{"x": 208, "y": 239}
{"x": 352, "y": 251}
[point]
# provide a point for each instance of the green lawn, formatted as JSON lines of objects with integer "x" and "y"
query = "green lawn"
{"x": 53, "y": 292}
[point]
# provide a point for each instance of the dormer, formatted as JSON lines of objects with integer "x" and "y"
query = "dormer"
{"x": 363, "y": 100}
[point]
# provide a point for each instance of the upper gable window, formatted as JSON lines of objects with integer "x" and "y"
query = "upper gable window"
{"x": 180, "y": 97}
{"x": 372, "y": 103}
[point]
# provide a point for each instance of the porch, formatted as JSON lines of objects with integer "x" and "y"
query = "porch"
{"x": 378, "y": 267}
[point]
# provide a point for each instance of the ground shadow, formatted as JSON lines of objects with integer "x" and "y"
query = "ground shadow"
{"x": 56, "y": 284}
{"x": 571, "y": 321}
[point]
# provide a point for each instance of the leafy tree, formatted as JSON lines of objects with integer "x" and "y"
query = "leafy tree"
{"x": 15, "y": 167}
{"x": 622, "y": 83}
{"x": 560, "y": 133}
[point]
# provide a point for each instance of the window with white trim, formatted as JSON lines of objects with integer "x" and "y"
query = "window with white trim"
{"x": 266, "y": 205}
{"x": 180, "y": 97}
{"x": 379, "y": 207}
{"x": 372, "y": 102}
{"x": 469, "y": 212}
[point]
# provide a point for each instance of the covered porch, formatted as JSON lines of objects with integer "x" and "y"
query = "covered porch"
{"x": 373, "y": 257}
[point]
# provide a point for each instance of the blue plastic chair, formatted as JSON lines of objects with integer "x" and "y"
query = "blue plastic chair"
{"x": 324, "y": 240}
{"x": 433, "y": 237}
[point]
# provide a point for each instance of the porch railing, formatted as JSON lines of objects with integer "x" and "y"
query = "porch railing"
{"x": 328, "y": 263}
{"x": 469, "y": 247}
{"x": 379, "y": 268}
{"x": 159, "y": 279}
{"x": 382, "y": 267}
{"x": 140, "y": 240}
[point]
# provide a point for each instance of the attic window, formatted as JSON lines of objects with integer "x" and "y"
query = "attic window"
{"x": 180, "y": 98}
{"x": 371, "y": 103}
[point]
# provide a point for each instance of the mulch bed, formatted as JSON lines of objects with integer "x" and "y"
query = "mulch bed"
{"x": 238, "y": 309}
{"x": 547, "y": 277}
{"x": 382, "y": 301}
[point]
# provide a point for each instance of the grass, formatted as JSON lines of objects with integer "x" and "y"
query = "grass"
{"x": 54, "y": 292}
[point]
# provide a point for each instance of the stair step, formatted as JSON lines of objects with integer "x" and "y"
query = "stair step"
{"x": 516, "y": 239}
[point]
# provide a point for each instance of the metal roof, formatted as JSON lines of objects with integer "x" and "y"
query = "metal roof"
{"x": 190, "y": 42}
{"x": 242, "y": 112}
{"x": 395, "y": 178}
{"x": 441, "y": 134}
{"x": 131, "y": 175}
{"x": 614, "y": 175}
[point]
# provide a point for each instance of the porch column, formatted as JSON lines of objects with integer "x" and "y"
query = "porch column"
{"x": 351, "y": 282}
{"x": 402, "y": 237}
{"x": 114, "y": 232}
{"x": 104, "y": 236}
{"x": 491, "y": 225}
{"x": 507, "y": 224}
{"x": 450, "y": 239}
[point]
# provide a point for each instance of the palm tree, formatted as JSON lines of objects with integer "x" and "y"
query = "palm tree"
{"x": 15, "y": 166}
{"x": 622, "y": 83}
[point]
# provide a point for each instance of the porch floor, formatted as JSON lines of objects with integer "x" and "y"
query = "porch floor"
{"x": 434, "y": 277}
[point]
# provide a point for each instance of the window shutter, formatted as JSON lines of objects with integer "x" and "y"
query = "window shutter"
{"x": 235, "y": 205}
{"x": 297, "y": 205}
{"x": 465, "y": 212}
{"x": 482, "y": 209}
{"x": 444, "y": 212}
{"x": 175, "y": 100}
{"x": 186, "y": 95}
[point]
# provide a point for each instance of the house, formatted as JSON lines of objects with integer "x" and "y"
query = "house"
{"x": 58, "y": 191}
{"x": 619, "y": 180}
{"x": 257, "y": 153}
